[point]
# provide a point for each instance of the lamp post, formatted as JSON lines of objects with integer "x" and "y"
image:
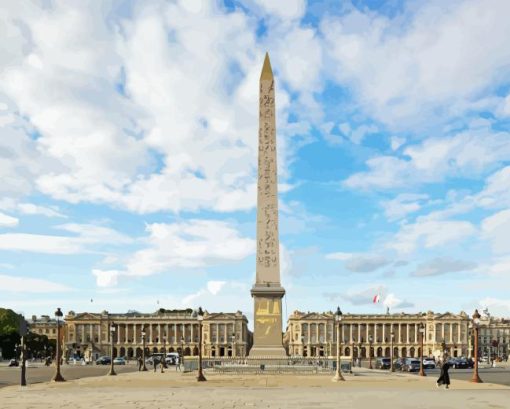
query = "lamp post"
{"x": 200, "y": 317}
{"x": 58, "y": 376}
{"x": 182, "y": 350}
{"x": 476, "y": 323}
{"x": 359, "y": 353}
{"x": 422, "y": 336}
{"x": 233, "y": 344}
{"x": 303, "y": 345}
{"x": 144, "y": 368}
{"x": 112, "y": 334}
{"x": 352, "y": 353}
{"x": 392, "y": 352}
{"x": 338, "y": 318}
{"x": 370, "y": 341}
{"x": 164, "y": 350}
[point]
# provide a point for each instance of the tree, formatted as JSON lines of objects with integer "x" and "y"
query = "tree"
{"x": 9, "y": 332}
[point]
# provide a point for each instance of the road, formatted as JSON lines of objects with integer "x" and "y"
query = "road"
{"x": 36, "y": 374}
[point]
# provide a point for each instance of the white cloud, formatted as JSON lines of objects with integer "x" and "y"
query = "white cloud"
{"x": 214, "y": 287}
{"x": 365, "y": 296}
{"x": 496, "y": 229}
{"x": 402, "y": 205}
{"x": 8, "y": 221}
{"x": 284, "y": 9}
{"x": 442, "y": 265}
{"x": 430, "y": 234}
{"x": 467, "y": 154}
{"x": 106, "y": 278}
{"x": 19, "y": 284}
{"x": 190, "y": 244}
{"x": 86, "y": 238}
{"x": 497, "y": 307}
{"x": 391, "y": 301}
{"x": 33, "y": 209}
{"x": 396, "y": 142}
{"x": 339, "y": 256}
{"x": 403, "y": 72}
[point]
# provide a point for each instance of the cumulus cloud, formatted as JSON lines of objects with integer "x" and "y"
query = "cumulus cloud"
{"x": 404, "y": 73}
{"x": 496, "y": 228}
{"x": 402, "y": 205}
{"x": 8, "y": 221}
{"x": 391, "y": 301}
{"x": 430, "y": 234}
{"x": 442, "y": 265}
{"x": 360, "y": 263}
{"x": 365, "y": 296}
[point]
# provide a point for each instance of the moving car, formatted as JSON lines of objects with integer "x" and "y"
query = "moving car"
{"x": 383, "y": 363}
{"x": 13, "y": 362}
{"x": 429, "y": 363}
{"x": 398, "y": 364}
{"x": 104, "y": 360}
{"x": 411, "y": 365}
{"x": 119, "y": 361}
{"x": 171, "y": 358}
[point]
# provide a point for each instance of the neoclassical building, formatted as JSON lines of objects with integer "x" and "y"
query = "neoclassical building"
{"x": 314, "y": 334}
{"x": 224, "y": 334}
{"x": 44, "y": 325}
{"x": 494, "y": 335}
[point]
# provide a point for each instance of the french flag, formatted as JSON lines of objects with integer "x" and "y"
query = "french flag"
{"x": 376, "y": 299}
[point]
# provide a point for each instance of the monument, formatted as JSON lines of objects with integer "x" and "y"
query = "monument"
{"x": 267, "y": 291}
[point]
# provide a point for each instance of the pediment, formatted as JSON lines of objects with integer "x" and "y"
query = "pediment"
{"x": 315, "y": 316}
{"x": 86, "y": 316}
{"x": 219, "y": 316}
{"x": 448, "y": 316}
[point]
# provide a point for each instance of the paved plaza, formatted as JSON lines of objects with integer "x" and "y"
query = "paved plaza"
{"x": 171, "y": 389}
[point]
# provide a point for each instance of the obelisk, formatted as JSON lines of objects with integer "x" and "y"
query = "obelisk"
{"x": 267, "y": 291}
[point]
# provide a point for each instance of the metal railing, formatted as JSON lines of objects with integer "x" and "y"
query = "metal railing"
{"x": 263, "y": 365}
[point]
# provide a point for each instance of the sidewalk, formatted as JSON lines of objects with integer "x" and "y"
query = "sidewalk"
{"x": 171, "y": 389}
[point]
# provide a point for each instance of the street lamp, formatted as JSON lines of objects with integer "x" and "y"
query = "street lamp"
{"x": 392, "y": 352}
{"x": 233, "y": 344}
{"x": 182, "y": 350}
{"x": 338, "y": 319}
{"x": 422, "y": 333}
{"x": 164, "y": 350}
{"x": 112, "y": 333}
{"x": 359, "y": 355}
{"x": 352, "y": 354}
{"x": 144, "y": 368}
{"x": 200, "y": 317}
{"x": 303, "y": 345}
{"x": 476, "y": 323}
{"x": 58, "y": 376}
{"x": 370, "y": 340}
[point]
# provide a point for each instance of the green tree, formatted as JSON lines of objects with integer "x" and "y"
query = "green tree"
{"x": 9, "y": 321}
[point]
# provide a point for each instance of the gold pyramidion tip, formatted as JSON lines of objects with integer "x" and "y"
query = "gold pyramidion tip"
{"x": 267, "y": 72}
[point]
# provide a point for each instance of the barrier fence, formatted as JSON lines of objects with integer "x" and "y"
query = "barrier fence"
{"x": 263, "y": 365}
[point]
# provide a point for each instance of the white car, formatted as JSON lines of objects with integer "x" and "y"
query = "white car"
{"x": 429, "y": 363}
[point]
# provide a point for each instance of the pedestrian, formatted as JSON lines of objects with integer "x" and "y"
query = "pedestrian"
{"x": 140, "y": 363}
{"x": 444, "y": 377}
{"x": 177, "y": 363}
{"x": 154, "y": 363}
{"x": 162, "y": 365}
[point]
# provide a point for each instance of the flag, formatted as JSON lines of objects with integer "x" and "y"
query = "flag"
{"x": 377, "y": 298}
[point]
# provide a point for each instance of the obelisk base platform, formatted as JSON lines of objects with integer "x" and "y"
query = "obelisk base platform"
{"x": 267, "y": 334}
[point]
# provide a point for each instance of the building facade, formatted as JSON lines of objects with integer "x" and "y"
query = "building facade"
{"x": 44, "y": 325}
{"x": 494, "y": 336}
{"x": 224, "y": 334}
{"x": 314, "y": 334}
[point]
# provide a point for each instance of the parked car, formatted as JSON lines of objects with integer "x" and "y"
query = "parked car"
{"x": 429, "y": 363}
{"x": 154, "y": 357}
{"x": 411, "y": 365}
{"x": 103, "y": 360}
{"x": 398, "y": 363}
{"x": 13, "y": 362}
{"x": 383, "y": 363}
{"x": 119, "y": 361}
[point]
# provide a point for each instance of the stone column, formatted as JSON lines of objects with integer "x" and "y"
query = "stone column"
{"x": 451, "y": 333}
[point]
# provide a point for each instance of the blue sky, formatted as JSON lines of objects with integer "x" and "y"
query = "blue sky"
{"x": 128, "y": 153}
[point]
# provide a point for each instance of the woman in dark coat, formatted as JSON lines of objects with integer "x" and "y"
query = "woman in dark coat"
{"x": 444, "y": 377}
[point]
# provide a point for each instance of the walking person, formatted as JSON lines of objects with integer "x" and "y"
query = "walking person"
{"x": 444, "y": 377}
{"x": 140, "y": 363}
{"x": 177, "y": 363}
{"x": 154, "y": 363}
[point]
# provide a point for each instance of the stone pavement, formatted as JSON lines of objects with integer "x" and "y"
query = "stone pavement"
{"x": 171, "y": 389}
